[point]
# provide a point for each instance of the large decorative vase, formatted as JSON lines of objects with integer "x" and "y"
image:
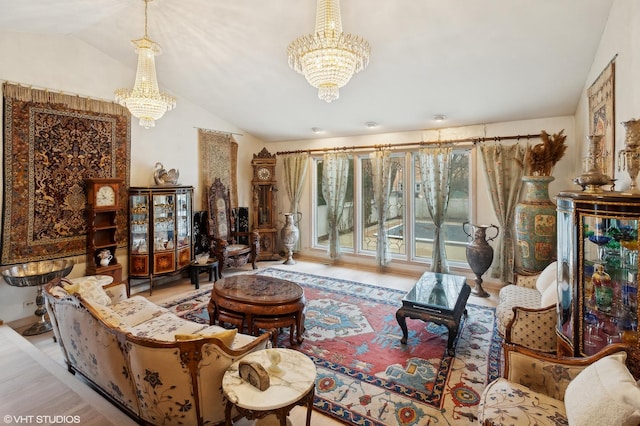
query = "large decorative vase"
{"x": 479, "y": 252}
{"x": 536, "y": 225}
{"x": 289, "y": 234}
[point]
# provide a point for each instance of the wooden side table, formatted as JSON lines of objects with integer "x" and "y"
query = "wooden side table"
{"x": 293, "y": 385}
{"x": 195, "y": 269}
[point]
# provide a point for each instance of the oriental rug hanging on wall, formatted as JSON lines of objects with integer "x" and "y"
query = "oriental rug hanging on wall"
{"x": 52, "y": 142}
{"x": 218, "y": 153}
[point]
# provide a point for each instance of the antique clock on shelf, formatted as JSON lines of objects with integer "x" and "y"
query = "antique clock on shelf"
{"x": 103, "y": 203}
{"x": 264, "y": 203}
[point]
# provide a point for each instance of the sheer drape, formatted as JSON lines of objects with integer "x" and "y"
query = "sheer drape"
{"x": 335, "y": 172}
{"x": 381, "y": 173}
{"x": 435, "y": 172}
{"x": 504, "y": 169}
{"x": 295, "y": 172}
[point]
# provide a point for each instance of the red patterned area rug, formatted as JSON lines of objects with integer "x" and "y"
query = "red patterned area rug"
{"x": 365, "y": 375}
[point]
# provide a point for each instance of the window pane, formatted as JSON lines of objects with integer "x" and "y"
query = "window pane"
{"x": 346, "y": 221}
{"x": 394, "y": 223}
{"x": 457, "y": 211}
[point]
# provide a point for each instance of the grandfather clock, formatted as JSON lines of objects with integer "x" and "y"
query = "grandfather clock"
{"x": 264, "y": 203}
{"x": 103, "y": 203}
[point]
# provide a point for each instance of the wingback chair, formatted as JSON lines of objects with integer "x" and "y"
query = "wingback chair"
{"x": 223, "y": 235}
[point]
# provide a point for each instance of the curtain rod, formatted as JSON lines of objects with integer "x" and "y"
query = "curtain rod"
{"x": 463, "y": 141}
{"x": 218, "y": 131}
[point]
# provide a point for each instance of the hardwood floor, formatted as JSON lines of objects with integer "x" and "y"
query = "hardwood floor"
{"x": 34, "y": 378}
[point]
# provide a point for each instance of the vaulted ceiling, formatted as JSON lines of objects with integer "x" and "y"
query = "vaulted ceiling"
{"x": 474, "y": 61}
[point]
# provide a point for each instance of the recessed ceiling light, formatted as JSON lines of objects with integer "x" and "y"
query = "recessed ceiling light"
{"x": 316, "y": 130}
{"x": 371, "y": 124}
{"x": 439, "y": 117}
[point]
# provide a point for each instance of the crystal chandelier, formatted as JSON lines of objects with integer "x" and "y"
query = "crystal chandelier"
{"x": 329, "y": 57}
{"x": 145, "y": 101}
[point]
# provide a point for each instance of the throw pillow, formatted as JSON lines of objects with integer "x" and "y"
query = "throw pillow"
{"x": 226, "y": 336}
{"x": 604, "y": 393}
{"x": 550, "y": 295}
{"x": 89, "y": 289}
{"x": 547, "y": 276}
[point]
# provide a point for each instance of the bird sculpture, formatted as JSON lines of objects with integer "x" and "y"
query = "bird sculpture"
{"x": 165, "y": 177}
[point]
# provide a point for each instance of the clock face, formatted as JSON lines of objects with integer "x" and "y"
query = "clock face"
{"x": 264, "y": 173}
{"x": 105, "y": 196}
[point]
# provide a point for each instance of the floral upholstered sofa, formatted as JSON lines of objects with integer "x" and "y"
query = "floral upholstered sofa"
{"x": 157, "y": 367}
{"x": 542, "y": 389}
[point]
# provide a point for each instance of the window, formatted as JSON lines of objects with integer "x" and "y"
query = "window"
{"x": 346, "y": 220}
{"x": 408, "y": 224}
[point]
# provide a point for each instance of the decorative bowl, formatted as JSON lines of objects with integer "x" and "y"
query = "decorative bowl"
{"x": 202, "y": 258}
{"x": 36, "y": 273}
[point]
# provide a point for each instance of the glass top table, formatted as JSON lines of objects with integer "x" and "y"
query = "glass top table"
{"x": 438, "y": 298}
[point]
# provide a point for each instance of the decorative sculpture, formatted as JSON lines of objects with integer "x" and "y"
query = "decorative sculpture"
{"x": 165, "y": 177}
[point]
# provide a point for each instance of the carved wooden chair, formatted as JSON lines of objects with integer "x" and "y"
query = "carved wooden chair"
{"x": 224, "y": 238}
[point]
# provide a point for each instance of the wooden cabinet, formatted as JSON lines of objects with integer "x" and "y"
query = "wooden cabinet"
{"x": 264, "y": 203}
{"x": 159, "y": 231}
{"x": 102, "y": 212}
{"x": 597, "y": 271}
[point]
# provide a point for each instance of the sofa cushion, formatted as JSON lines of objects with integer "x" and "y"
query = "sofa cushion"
{"x": 604, "y": 393}
{"x": 547, "y": 276}
{"x": 226, "y": 336}
{"x": 165, "y": 327}
{"x": 137, "y": 309}
{"x": 508, "y": 403}
{"x": 550, "y": 295}
{"x": 109, "y": 316}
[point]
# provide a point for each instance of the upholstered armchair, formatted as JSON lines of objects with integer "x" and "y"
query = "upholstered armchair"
{"x": 224, "y": 238}
{"x": 526, "y": 314}
{"x": 542, "y": 389}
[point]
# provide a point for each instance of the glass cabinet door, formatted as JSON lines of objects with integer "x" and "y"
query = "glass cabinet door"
{"x": 609, "y": 270}
{"x": 163, "y": 222}
{"x": 183, "y": 219}
{"x": 139, "y": 224}
{"x": 566, "y": 265}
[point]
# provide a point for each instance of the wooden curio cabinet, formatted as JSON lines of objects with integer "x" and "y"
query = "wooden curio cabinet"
{"x": 159, "y": 231}
{"x": 264, "y": 203}
{"x": 103, "y": 204}
{"x": 597, "y": 271}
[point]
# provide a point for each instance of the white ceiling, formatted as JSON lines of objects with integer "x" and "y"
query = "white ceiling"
{"x": 475, "y": 61}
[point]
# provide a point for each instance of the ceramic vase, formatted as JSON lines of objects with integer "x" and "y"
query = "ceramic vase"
{"x": 289, "y": 235}
{"x": 479, "y": 252}
{"x": 536, "y": 225}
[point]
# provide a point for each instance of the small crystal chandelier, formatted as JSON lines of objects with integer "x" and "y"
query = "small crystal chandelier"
{"x": 329, "y": 57}
{"x": 145, "y": 101}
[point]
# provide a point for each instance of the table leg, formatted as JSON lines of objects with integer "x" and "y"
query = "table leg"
{"x": 211, "y": 273}
{"x": 310, "y": 405}
{"x": 299, "y": 326}
{"x": 197, "y": 277}
{"x": 402, "y": 321}
{"x": 227, "y": 414}
{"x": 453, "y": 332}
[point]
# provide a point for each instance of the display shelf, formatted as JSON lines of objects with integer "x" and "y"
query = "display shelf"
{"x": 598, "y": 271}
{"x": 159, "y": 231}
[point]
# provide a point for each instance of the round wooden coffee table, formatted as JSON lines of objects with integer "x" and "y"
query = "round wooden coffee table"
{"x": 257, "y": 301}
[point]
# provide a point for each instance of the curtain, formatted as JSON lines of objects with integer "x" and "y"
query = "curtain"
{"x": 504, "y": 169}
{"x": 435, "y": 171}
{"x": 295, "y": 172}
{"x": 335, "y": 172}
{"x": 381, "y": 173}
